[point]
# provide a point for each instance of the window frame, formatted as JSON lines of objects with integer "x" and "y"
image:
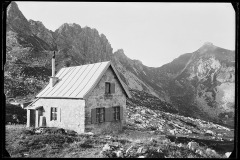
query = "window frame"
{"x": 100, "y": 115}
{"x": 54, "y": 113}
{"x": 107, "y": 91}
{"x": 116, "y": 113}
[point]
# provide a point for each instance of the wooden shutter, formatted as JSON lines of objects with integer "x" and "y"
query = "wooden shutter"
{"x": 112, "y": 87}
{"x": 93, "y": 115}
{"x": 121, "y": 113}
{"x": 59, "y": 114}
{"x": 109, "y": 114}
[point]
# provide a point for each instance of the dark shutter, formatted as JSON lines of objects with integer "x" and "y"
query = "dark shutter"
{"x": 109, "y": 114}
{"x": 93, "y": 115}
{"x": 121, "y": 113}
{"x": 112, "y": 87}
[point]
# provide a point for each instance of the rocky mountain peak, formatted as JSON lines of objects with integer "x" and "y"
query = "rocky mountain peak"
{"x": 120, "y": 54}
{"x": 208, "y": 44}
{"x": 16, "y": 20}
{"x": 121, "y": 57}
{"x": 13, "y": 7}
{"x": 206, "y": 47}
{"x": 138, "y": 62}
{"x": 42, "y": 32}
{"x": 39, "y": 23}
{"x": 67, "y": 27}
{"x": 74, "y": 25}
{"x": 62, "y": 27}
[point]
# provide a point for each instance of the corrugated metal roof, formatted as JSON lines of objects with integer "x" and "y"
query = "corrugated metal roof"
{"x": 78, "y": 81}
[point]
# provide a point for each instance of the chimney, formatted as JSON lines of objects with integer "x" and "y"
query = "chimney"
{"x": 53, "y": 79}
{"x": 53, "y": 64}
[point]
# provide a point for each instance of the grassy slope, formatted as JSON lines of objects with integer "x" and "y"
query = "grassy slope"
{"x": 21, "y": 143}
{"x": 143, "y": 124}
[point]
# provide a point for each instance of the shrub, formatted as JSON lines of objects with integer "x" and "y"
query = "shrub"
{"x": 153, "y": 128}
{"x": 50, "y": 130}
{"x": 153, "y": 153}
{"x": 28, "y": 132}
{"x": 71, "y": 132}
{"x": 87, "y": 144}
{"x": 123, "y": 141}
{"x": 137, "y": 121}
{"x": 40, "y": 141}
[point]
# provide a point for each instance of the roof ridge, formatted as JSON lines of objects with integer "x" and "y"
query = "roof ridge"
{"x": 86, "y": 64}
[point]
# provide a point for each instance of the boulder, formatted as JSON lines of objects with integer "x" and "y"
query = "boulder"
{"x": 139, "y": 150}
{"x": 209, "y": 132}
{"x": 106, "y": 147}
{"x": 129, "y": 149}
{"x": 39, "y": 130}
{"x": 210, "y": 152}
{"x": 160, "y": 127}
{"x": 115, "y": 144}
{"x": 166, "y": 141}
{"x": 172, "y": 132}
{"x": 189, "y": 132}
{"x": 143, "y": 111}
{"x": 200, "y": 152}
{"x": 219, "y": 134}
{"x": 119, "y": 153}
{"x": 193, "y": 145}
{"x": 180, "y": 145}
{"x": 90, "y": 133}
{"x": 227, "y": 154}
{"x": 173, "y": 143}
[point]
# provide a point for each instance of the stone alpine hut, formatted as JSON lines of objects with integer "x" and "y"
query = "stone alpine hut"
{"x": 87, "y": 98}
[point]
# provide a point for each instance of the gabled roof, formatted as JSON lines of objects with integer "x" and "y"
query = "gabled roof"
{"x": 78, "y": 81}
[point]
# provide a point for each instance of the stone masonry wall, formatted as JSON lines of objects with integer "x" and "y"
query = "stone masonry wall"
{"x": 97, "y": 99}
{"x": 70, "y": 113}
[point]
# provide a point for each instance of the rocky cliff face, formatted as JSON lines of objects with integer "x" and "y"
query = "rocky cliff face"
{"x": 205, "y": 86}
{"x": 78, "y": 45}
{"x": 199, "y": 84}
{"x": 39, "y": 30}
{"x": 16, "y": 20}
{"x": 20, "y": 30}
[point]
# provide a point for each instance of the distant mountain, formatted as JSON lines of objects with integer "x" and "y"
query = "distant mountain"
{"x": 199, "y": 84}
{"x": 205, "y": 86}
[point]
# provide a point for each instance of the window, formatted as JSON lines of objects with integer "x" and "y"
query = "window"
{"x": 109, "y": 88}
{"x": 116, "y": 113}
{"x": 100, "y": 115}
{"x": 109, "y": 114}
{"x": 53, "y": 113}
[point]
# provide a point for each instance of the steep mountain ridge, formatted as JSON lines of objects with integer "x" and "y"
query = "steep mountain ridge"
{"x": 207, "y": 81}
{"x": 17, "y": 20}
{"x": 199, "y": 84}
{"x": 42, "y": 32}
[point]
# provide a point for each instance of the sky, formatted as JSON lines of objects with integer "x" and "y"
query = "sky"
{"x": 154, "y": 33}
